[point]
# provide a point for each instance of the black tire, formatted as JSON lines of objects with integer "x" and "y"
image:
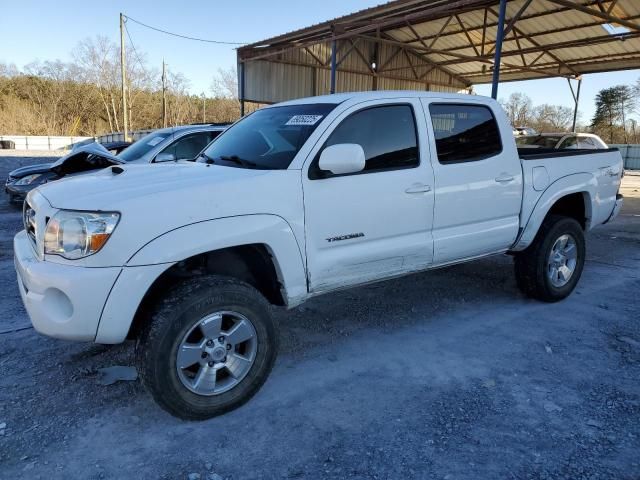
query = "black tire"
{"x": 175, "y": 315}
{"x": 531, "y": 264}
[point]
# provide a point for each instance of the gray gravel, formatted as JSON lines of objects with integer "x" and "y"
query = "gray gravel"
{"x": 450, "y": 374}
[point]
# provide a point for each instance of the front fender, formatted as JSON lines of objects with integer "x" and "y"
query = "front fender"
{"x": 584, "y": 183}
{"x": 201, "y": 237}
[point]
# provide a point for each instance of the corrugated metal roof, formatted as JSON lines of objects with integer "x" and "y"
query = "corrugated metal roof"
{"x": 446, "y": 45}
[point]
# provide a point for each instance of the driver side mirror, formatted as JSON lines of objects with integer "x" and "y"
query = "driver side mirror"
{"x": 165, "y": 157}
{"x": 342, "y": 158}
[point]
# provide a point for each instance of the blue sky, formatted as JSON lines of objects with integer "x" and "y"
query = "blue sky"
{"x": 47, "y": 30}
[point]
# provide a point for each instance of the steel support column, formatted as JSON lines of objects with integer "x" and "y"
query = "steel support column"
{"x": 333, "y": 66}
{"x": 576, "y": 99}
{"x": 498, "y": 53}
{"x": 241, "y": 89}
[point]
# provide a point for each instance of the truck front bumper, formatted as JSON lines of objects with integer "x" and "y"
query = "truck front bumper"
{"x": 80, "y": 303}
{"x": 63, "y": 301}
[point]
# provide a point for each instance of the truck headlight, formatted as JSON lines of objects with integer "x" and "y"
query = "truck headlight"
{"x": 74, "y": 235}
{"x": 29, "y": 179}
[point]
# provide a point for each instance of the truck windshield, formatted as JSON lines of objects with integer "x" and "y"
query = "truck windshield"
{"x": 267, "y": 139}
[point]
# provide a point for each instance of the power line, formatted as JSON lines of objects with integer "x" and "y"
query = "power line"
{"x": 134, "y": 49}
{"x": 184, "y": 36}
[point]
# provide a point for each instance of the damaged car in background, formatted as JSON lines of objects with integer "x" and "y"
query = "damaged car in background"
{"x": 92, "y": 155}
{"x": 169, "y": 144}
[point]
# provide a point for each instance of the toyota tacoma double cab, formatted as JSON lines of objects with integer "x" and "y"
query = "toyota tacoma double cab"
{"x": 296, "y": 200}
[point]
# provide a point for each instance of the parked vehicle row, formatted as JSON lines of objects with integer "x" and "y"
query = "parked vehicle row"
{"x": 163, "y": 145}
{"x": 296, "y": 200}
{"x": 587, "y": 141}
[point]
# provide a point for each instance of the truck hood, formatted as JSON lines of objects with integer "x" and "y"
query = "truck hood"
{"x": 123, "y": 187}
{"x": 153, "y": 199}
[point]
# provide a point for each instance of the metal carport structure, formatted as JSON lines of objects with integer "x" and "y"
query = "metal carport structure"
{"x": 443, "y": 45}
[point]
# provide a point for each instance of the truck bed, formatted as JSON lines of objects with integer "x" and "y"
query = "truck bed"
{"x": 597, "y": 170}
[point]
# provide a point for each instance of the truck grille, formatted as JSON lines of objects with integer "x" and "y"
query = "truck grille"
{"x": 29, "y": 221}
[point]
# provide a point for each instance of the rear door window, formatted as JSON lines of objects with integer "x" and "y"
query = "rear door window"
{"x": 464, "y": 133}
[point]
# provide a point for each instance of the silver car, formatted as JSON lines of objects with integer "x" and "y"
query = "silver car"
{"x": 172, "y": 143}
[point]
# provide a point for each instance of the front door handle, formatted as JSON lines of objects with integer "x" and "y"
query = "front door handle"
{"x": 418, "y": 188}
{"x": 505, "y": 178}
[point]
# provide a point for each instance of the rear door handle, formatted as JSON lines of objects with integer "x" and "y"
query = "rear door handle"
{"x": 504, "y": 178}
{"x": 418, "y": 188}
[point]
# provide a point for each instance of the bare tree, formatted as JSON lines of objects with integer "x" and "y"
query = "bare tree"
{"x": 519, "y": 109}
{"x": 97, "y": 60}
{"x": 225, "y": 84}
{"x": 552, "y": 118}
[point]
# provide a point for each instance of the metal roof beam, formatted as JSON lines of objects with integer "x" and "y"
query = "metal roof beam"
{"x": 381, "y": 75}
{"x": 361, "y": 55}
{"x": 549, "y": 32}
{"x": 576, "y": 64}
{"x": 426, "y": 59}
{"x": 413, "y": 69}
{"x": 314, "y": 56}
{"x": 495, "y": 24}
{"x": 516, "y": 17}
{"x": 556, "y": 46}
{"x": 468, "y": 58}
{"x": 466, "y": 33}
{"x": 515, "y": 35}
{"x": 534, "y": 42}
{"x": 446, "y": 24}
{"x": 390, "y": 59}
{"x": 346, "y": 54}
{"x": 612, "y": 5}
{"x": 595, "y": 13}
{"x": 424, "y": 10}
{"x": 484, "y": 30}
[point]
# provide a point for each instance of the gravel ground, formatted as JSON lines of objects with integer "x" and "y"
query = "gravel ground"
{"x": 450, "y": 374}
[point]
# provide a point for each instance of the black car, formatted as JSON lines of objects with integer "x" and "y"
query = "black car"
{"x": 24, "y": 179}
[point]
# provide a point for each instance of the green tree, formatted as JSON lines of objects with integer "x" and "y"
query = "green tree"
{"x": 612, "y": 108}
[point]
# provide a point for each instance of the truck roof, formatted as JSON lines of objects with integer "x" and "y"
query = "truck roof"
{"x": 363, "y": 96}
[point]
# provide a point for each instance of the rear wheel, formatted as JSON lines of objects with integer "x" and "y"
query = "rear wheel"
{"x": 208, "y": 348}
{"x": 549, "y": 269}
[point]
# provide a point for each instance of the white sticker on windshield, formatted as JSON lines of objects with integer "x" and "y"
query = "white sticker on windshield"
{"x": 154, "y": 141}
{"x": 304, "y": 120}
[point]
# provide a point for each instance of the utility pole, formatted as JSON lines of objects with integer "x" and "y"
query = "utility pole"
{"x": 204, "y": 108}
{"x": 164, "y": 95}
{"x": 123, "y": 76}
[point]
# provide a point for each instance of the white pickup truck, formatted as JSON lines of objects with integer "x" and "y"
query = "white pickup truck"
{"x": 296, "y": 200}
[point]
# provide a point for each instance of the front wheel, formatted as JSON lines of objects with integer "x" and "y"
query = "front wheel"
{"x": 549, "y": 269}
{"x": 208, "y": 348}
